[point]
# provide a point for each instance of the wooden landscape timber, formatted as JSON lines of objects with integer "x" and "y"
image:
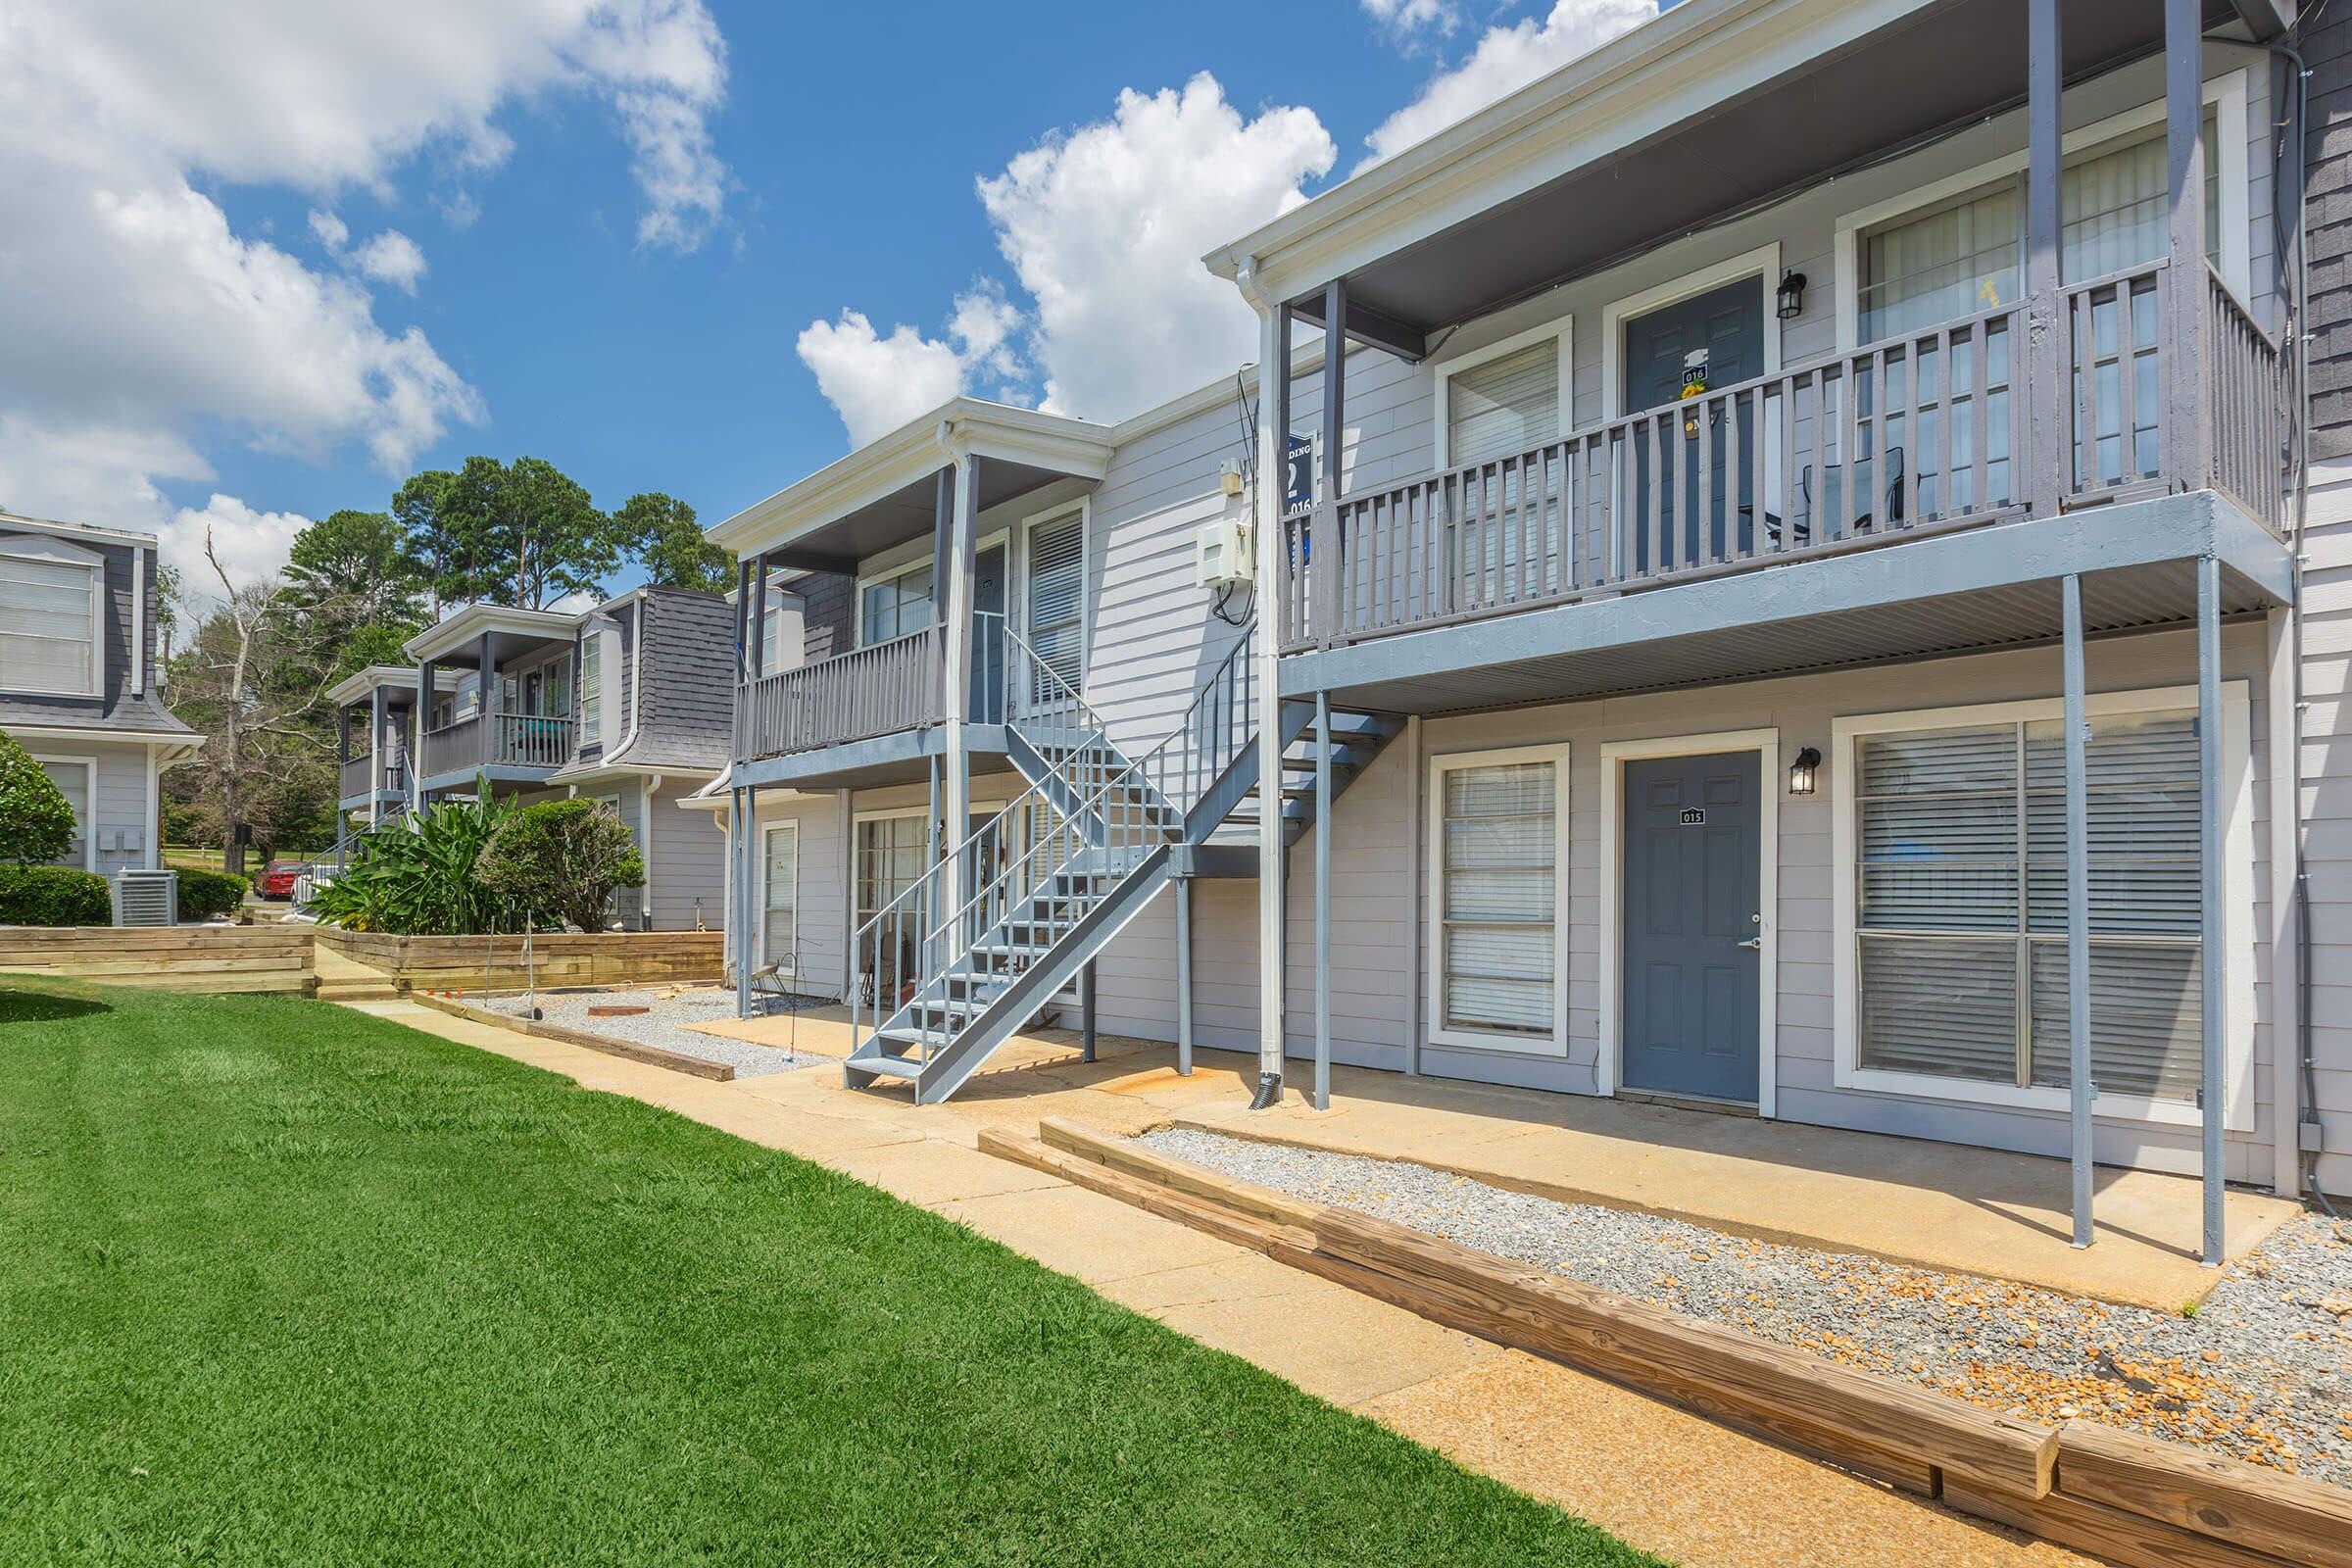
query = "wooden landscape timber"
{"x": 557, "y": 959}
{"x": 211, "y": 959}
{"x": 650, "y": 1056}
{"x": 2133, "y": 1499}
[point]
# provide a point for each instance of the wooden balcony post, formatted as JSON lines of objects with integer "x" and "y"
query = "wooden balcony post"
{"x": 1331, "y": 548}
{"x": 2049, "y": 336}
{"x": 424, "y": 721}
{"x": 493, "y": 747}
{"x": 380, "y": 773}
{"x": 2187, "y": 438}
{"x": 755, "y": 608}
{"x": 342, "y": 733}
{"x": 955, "y": 693}
{"x": 1274, "y": 563}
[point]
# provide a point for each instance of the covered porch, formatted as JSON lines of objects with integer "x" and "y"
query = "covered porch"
{"x": 494, "y": 692}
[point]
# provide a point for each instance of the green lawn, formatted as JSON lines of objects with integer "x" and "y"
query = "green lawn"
{"x": 284, "y": 1283}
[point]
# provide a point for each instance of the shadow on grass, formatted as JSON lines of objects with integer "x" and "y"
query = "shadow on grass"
{"x": 20, "y": 1006}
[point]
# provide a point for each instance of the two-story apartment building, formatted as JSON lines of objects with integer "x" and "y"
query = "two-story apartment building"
{"x": 79, "y": 682}
{"x": 1786, "y": 601}
{"x": 627, "y": 703}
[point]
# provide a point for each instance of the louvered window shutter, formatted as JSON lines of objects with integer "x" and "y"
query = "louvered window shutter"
{"x": 1497, "y": 902}
{"x": 1057, "y": 618}
{"x": 1962, "y": 904}
{"x": 1503, "y": 407}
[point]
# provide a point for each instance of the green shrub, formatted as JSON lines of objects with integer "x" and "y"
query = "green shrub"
{"x": 567, "y": 855}
{"x": 205, "y": 894}
{"x": 414, "y": 876}
{"x": 53, "y": 895}
{"x": 37, "y": 823}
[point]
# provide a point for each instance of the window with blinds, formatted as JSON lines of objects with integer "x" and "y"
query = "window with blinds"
{"x": 1498, "y": 879}
{"x": 779, "y": 932}
{"x": 1506, "y": 406}
{"x": 49, "y": 623}
{"x": 1056, "y": 621}
{"x": 592, "y": 689}
{"x": 1966, "y": 254}
{"x": 1961, "y": 903}
{"x": 895, "y": 607}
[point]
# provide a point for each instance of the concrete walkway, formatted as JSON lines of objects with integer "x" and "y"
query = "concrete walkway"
{"x": 1655, "y": 1476}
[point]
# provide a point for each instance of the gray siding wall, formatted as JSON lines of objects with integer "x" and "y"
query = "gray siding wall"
{"x": 827, "y": 602}
{"x": 119, "y": 827}
{"x": 2328, "y": 50}
{"x": 685, "y": 712}
{"x": 687, "y": 865}
{"x": 822, "y": 891}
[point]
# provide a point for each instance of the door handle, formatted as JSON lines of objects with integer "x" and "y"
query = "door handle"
{"x": 1753, "y": 944}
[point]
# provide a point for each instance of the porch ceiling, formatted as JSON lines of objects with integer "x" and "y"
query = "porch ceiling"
{"x": 1936, "y": 69}
{"x": 1983, "y": 589}
{"x": 905, "y": 514}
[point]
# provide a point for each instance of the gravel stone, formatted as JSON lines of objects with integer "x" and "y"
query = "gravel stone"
{"x": 2261, "y": 1370}
{"x": 659, "y": 1025}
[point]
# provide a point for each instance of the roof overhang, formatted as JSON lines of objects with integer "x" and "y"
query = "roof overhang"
{"x": 452, "y": 634}
{"x": 882, "y": 494}
{"x": 362, "y": 683}
{"x": 12, "y": 523}
{"x": 1715, "y": 107}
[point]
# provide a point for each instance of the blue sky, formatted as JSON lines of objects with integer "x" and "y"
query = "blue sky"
{"x": 600, "y": 231}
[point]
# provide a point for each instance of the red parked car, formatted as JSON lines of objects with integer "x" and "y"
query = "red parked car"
{"x": 276, "y": 880}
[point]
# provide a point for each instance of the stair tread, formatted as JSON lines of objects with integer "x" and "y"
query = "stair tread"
{"x": 882, "y": 1062}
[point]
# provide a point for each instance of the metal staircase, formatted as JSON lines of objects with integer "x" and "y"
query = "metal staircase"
{"x": 1005, "y": 920}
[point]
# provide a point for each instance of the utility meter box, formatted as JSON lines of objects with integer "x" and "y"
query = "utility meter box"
{"x": 1222, "y": 556}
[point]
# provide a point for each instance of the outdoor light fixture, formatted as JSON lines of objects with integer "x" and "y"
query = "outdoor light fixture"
{"x": 1805, "y": 771}
{"x": 1791, "y": 296}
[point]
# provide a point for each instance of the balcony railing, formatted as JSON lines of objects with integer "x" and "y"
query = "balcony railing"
{"x": 360, "y": 775}
{"x": 855, "y": 696}
{"x": 1914, "y": 434}
{"x": 508, "y": 740}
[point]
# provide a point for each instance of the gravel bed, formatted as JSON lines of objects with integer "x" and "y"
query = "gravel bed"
{"x": 660, "y": 1026}
{"x": 2261, "y": 1370}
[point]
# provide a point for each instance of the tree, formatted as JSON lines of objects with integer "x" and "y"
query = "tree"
{"x": 357, "y": 578}
{"x": 567, "y": 855}
{"x": 521, "y": 533}
{"x": 36, "y": 821}
{"x": 671, "y": 547}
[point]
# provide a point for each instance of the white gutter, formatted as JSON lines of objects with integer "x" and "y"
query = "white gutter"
{"x": 648, "y": 789}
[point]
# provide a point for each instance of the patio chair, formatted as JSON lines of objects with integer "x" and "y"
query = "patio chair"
{"x": 1803, "y": 533}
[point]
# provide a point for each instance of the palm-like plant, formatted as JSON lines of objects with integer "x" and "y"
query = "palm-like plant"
{"x": 416, "y": 878}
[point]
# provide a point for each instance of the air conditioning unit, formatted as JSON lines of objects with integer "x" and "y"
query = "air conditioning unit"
{"x": 1222, "y": 558}
{"x": 145, "y": 898}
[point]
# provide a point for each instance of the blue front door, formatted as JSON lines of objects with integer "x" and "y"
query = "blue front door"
{"x": 1691, "y": 925}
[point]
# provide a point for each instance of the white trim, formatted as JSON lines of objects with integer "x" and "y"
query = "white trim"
{"x": 767, "y": 831}
{"x": 1083, "y": 506}
{"x": 1434, "y": 850}
{"x": 1614, "y": 755}
{"x": 2225, "y": 94}
{"x": 1561, "y": 328}
{"x": 2237, "y": 907}
{"x": 1763, "y": 262}
{"x": 52, "y": 551}
{"x": 89, "y": 800}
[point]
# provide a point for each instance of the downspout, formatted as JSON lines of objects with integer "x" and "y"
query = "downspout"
{"x": 1266, "y": 526}
{"x": 649, "y": 786}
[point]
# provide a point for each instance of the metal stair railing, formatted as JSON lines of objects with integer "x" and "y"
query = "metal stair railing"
{"x": 1063, "y": 874}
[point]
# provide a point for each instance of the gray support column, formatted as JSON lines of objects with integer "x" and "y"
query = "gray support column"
{"x": 342, "y": 732}
{"x": 1184, "y": 977}
{"x": 1335, "y": 385}
{"x": 2284, "y": 748}
{"x": 1273, "y": 443}
{"x": 2187, "y": 437}
{"x": 743, "y": 637}
{"x": 2212, "y": 954}
{"x": 755, "y": 620}
{"x": 379, "y": 735}
{"x": 2050, "y": 397}
{"x": 942, "y": 532}
{"x": 422, "y": 721}
{"x": 957, "y": 793}
{"x": 1416, "y": 1023}
{"x": 491, "y": 748}
{"x": 740, "y": 915}
{"x": 1322, "y": 901}
{"x": 1086, "y": 1011}
{"x": 2079, "y": 1086}
{"x": 932, "y": 845}
{"x": 849, "y": 895}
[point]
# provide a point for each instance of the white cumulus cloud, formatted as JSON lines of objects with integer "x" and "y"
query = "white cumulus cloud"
{"x": 1408, "y": 19}
{"x": 250, "y": 546}
{"x": 1504, "y": 60}
{"x": 877, "y": 383}
{"x": 391, "y": 257}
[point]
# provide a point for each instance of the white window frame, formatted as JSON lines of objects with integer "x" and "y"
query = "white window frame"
{"x": 1085, "y": 511}
{"x": 2224, "y": 95}
{"x": 1434, "y": 951}
{"x": 1614, "y": 755}
{"x": 1561, "y": 329}
{"x": 2237, "y": 907}
{"x": 57, "y": 552}
{"x": 591, "y": 699}
{"x": 767, "y": 832}
{"x": 1763, "y": 262}
{"x": 89, "y": 795}
{"x": 876, "y": 580}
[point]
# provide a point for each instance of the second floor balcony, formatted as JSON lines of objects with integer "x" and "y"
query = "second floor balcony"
{"x": 372, "y": 773}
{"x": 505, "y": 746}
{"x": 1915, "y": 435}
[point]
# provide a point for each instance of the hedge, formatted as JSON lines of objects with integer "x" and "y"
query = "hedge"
{"x": 53, "y": 895}
{"x": 205, "y": 894}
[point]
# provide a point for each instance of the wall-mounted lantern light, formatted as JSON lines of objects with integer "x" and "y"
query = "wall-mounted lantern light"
{"x": 1805, "y": 772}
{"x": 1791, "y": 296}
